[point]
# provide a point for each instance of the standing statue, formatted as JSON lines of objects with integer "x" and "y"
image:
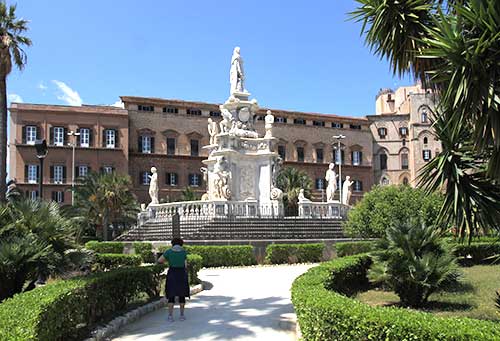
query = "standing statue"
{"x": 331, "y": 178}
{"x": 237, "y": 75}
{"x": 227, "y": 120}
{"x": 153, "y": 186}
{"x": 346, "y": 190}
{"x": 269, "y": 119}
{"x": 213, "y": 130}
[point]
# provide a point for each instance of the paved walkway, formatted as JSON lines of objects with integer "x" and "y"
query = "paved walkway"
{"x": 240, "y": 304}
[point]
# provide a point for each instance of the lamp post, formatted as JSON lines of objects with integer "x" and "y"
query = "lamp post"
{"x": 73, "y": 144}
{"x": 41, "y": 153}
{"x": 339, "y": 138}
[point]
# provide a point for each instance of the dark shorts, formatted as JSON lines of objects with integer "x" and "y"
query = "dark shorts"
{"x": 182, "y": 299}
{"x": 177, "y": 283}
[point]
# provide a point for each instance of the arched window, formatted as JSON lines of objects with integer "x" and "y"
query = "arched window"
{"x": 426, "y": 140}
{"x": 404, "y": 160}
{"x": 425, "y": 116}
{"x": 405, "y": 181}
{"x": 383, "y": 161}
{"x": 384, "y": 181}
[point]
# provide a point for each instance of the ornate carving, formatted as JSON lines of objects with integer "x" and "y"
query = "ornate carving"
{"x": 223, "y": 179}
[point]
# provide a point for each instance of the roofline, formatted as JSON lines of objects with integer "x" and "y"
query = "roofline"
{"x": 95, "y": 109}
{"x": 183, "y": 103}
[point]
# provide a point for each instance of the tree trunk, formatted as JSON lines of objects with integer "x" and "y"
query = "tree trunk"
{"x": 3, "y": 138}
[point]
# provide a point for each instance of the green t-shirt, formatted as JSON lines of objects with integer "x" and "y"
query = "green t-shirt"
{"x": 176, "y": 257}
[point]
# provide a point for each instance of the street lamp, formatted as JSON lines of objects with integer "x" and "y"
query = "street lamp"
{"x": 72, "y": 133}
{"x": 339, "y": 138}
{"x": 41, "y": 153}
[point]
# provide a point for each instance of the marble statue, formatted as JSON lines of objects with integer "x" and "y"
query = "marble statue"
{"x": 302, "y": 198}
{"x": 237, "y": 75}
{"x": 227, "y": 120}
{"x": 153, "y": 186}
{"x": 331, "y": 178}
{"x": 237, "y": 130}
{"x": 222, "y": 181}
{"x": 346, "y": 190}
{"x": 269, "y": 119}
{"x": 277, "y": 164}
{"x": 213, "y": 130}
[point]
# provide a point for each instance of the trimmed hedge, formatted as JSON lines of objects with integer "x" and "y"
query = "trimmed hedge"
{"x": 354, "y": 248}
{"x": 227, "y": 255}
{"x": 145, "y": 250}
{"x": 481, "y": 253}
{"x": 294, "y": 253}
{"x": 328, "y": 315}
{"x": 109, "y": 261}
{"x": 194, "y": 264}
{"x": 66, "y": 310}
{"x": 105, "y": 247}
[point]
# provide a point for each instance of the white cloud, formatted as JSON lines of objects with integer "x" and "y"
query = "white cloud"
{"x": 14, "y": 98}
{"x": 42, "y": 86}
{"x": 118, "y": 104}
{"x": 67, "y": 94}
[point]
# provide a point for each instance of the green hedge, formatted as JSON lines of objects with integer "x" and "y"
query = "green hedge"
{"x": 328, "y": 315}
{"x": 109, "y": 261}
{"x": 145, "y": 250}
{"x": 66, "y": 310}
{"x": 194, "y": 265}
{"x": 480, "y": 252}
{"x": 104, "y": 247}
{"x": 294, "y": 253}
{"x": 227, "y": 255}
{"x": 353, "y": 248}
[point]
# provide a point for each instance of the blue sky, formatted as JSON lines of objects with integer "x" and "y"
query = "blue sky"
{"x": 298, "y": 55}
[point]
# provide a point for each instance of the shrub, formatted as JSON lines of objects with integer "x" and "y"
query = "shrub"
{"x": 294, "y": 253}
{"x": 67, "y": 309}
{"x": 194, "y": 264}
{"x": 384, "y": 205}
{"x": 227, "y": 255}
{"x": 145, "y": 250}
{"x": 354, "y": 248}
{"x": 479, "y": 252}
{"x": 416, "y": 260}
{"x": 328, "y": 315}
{"x": 105, "y": 247}
{"x": 109, "y": 261}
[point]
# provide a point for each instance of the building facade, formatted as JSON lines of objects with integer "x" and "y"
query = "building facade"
{"x": 170, "y": 135}
{"x": 402, "y": 138}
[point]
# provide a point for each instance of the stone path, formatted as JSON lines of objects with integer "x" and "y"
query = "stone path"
{"x": 240, "y": 304}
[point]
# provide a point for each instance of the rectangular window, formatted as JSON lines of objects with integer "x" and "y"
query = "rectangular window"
{"x": 280, "y": 119}
{"x": 145, "y": 177}
{"x": 171, "y": 179}
{"x": 110, "y": 135}
{"x": 58, "y": 196}
{"x": 82, "y": 171}
{"x": 300, "y": 154}
{"x": 84, "y": 137}
{"x": 214, "y": 113}
{"x": 426, "y": 154}
{"x": 299, "y": 121}
{"x": 195, "y": 149}
{"x": 32, "y": 174}
{"x": 355, "y": 126}
{"x": 337, "y": 125}
{"x": 170, "y": 146}
{"x": 403, "y": 131}
{"x": 170, "y": 110}
{"x": 319, "y": 123}
{"x": 357, "y": 186}
{"x": 282, "y": 151}
{"x": 320, "y": 183}
{"x": 58, "y": 136}
{"x": 338, "y": 156}
{"x": 194, "y": 180}
{"x": 193, "y": 112}
{"x": 262, "y": 118}
{"x": 33, "y": 195}
{"x": 107, "y": 169}
{"x": 383, "y": 161}
{"x": 382, "y": 133}
{"x": 319, "y": 155}
{"x": 31, "y": 134}
{"x": 404, "y": 161}
{"x": 146, "y": 144}
{"x": 142, "y": 107}
{"x": 58, "y": 174}
{"x": 356, "y": 158}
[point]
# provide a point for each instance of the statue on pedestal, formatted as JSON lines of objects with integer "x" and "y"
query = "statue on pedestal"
{"x": 302, "y": 198}
{"x": 227, "y": 120}
{"x": 269, "y": 119}
{"x": 213, "y": 130}
{"x": 346, "y": 190}
{"x": 331, "y": 178}
{"x": 153, "y": 186}
{"x": 237, "y": 75}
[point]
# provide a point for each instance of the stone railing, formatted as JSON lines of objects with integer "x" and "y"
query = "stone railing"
{"x": 310, "y": 209}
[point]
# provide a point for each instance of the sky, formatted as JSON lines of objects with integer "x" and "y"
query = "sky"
{"x": 298, "y": 55}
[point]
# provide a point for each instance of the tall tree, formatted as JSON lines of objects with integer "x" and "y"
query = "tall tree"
{"x": 452, "y": 47}
{"x": 12, "y": 41}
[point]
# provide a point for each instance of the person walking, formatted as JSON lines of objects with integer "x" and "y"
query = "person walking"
{"x": 177, "y": 277}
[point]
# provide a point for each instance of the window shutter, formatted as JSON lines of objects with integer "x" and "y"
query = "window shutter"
{"x": 25, "y": 173}
{"x": 65, "y": 137}
{"x": 53, "y": 195}
{"x": 38, "y": 174}
{"x": 101, "y": 170}
{"x": 24, "y": 134}
{"x": 167, "y": 179}
{"x": 117, "y": 138}
{"x": 64, "y": 174}
{"x": 140, "y": 178}
{"x": 360, "y": 185}
{"x": 78, "y": 137}
{"x": 38, "y": 133}
{"x": 360, "y": 158}
{"x": 176, "y": 177}
{"x": 77, "y": 172}
{"x": 104, "y": 138}
{"x": 91, "y": 137}
{"x": 62, "y": 196}
{"x": 51, "y": 135}
{"x": 139, "y": 144}
{"x": 51, "y": 173}
{"x": 152, "y": 145}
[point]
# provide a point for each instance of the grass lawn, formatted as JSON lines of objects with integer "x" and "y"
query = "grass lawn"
{"x": 474, "y": 297}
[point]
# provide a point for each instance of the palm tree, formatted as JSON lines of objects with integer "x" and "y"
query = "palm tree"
{"x": 451, "y": 47}
{"x": 189, "y": 195}
{"x": 291, "y": 180}
{"x": 103, "y": 200}
{"x": 11, "y": 46}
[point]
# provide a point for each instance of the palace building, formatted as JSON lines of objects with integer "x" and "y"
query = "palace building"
{"x": 386, "y": 148}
